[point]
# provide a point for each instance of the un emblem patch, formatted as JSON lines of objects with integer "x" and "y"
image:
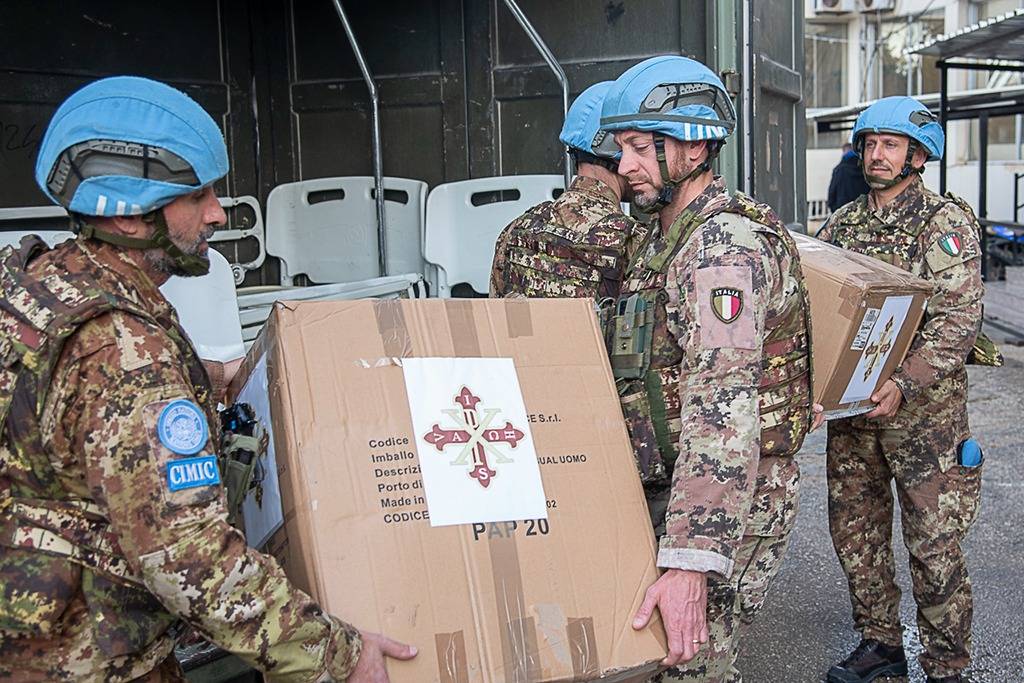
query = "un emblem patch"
{"x": 182, "y": 427}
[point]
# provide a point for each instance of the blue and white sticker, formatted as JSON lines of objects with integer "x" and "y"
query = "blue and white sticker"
{"x": 189, "y": 473}
{"x": 182, "y": 427}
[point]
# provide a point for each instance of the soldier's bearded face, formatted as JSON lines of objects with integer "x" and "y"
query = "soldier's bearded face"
{"x": 639, "y": 166}
{"x": 885, "y": 154}
{"x": 191, "y": 221}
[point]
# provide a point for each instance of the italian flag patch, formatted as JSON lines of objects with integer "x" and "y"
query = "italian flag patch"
{"x": 727, "y": 303}
{"x": 950, "y": 243}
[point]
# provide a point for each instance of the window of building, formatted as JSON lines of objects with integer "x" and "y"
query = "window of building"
{"x": 993, "y": 8}
{"x": 827, "y": 140}
{"x": 825, "y": 65}
{"x": 901, "y": 73}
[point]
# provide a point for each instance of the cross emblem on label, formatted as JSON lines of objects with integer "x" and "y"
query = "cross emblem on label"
{"x": 475, "y": 436}
{"x": 877, "y": 349}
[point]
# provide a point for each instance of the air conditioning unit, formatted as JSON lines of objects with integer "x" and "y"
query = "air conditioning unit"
{"x": 875, "y": 5}
{"x": 834, "y": 6}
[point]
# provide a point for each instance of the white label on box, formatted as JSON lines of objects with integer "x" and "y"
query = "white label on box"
{"x": 473, "y": 440}
{"x": 262, "y": 517}
{"x": 861, "y": 340}
{"x": 880, "y": 343}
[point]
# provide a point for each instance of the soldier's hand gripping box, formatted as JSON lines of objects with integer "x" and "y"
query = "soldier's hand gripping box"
{"x": 864, "y": 314}
{"x": 456, "y": 474}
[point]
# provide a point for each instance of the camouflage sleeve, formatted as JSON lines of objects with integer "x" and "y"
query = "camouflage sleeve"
{"x": 148, "y": 456}
{"x": 720, "y": 300}
{"x": 953, "y": 317}
{"x": 497, "y": 284}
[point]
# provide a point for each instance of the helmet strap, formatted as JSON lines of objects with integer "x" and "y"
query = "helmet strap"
{"x": 191, "y": 264}
{"x": 668, "y": 186}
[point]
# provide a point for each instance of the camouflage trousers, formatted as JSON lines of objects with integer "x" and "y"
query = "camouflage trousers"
{"x": 939, "y": 502}
{"x": 733, "y": 603}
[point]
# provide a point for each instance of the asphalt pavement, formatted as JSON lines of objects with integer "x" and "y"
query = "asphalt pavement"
{"x": 806, "y": 624}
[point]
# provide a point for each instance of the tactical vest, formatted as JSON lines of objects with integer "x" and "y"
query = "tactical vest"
{"x": 545, "y": 259}
{"x": 646, "y": 357}
{"x": 856, "y": 234}
{"x": 55, "y": 543}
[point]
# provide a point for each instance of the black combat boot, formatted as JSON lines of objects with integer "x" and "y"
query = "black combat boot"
{"x": 870, "y": 660}
{"x": 955, "y": 678}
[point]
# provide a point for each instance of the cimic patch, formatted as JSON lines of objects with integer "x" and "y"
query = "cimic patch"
{"x": 189, "y": 473}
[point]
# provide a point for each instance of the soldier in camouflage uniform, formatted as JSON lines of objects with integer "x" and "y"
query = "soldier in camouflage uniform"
{"x": 112, "y": 518}
{"x": 709, "y": 345}
{"x": 914, "y": 435}
{"x": 577, "y": 245}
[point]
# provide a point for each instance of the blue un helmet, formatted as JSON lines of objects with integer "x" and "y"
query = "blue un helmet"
{"x": 671, "y": 96}
{"x": 128, "y": 146}
{"x": 900, "y": 115}
{"x": 581, "y": 131}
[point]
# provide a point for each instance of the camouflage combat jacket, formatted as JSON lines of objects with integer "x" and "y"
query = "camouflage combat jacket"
{"x": 935, "y": 238}
{"x": 574, "y": 246}
{"x": 108, "y": 538}
{"x": 728, "y": 378}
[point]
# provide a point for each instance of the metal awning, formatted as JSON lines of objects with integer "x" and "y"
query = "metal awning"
{"x": 1001, "y": 37}
{"x": 962, "y": 105}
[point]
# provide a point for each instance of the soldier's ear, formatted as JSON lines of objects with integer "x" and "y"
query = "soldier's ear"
{"x": 920, "y": 156}
{"x": 694, "y": 149}
{"x": 126, "y": 225}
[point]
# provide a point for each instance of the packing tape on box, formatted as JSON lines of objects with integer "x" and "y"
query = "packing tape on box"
{"x": 394, "y": 334}
{"x": 583, "y": 647}
{"x": 462, "y": 325}
{"x": 452, "y": 665}
{"x": 849, "y": 297}
{"x": 519, "y": 650}
{"x": 518, "y": 317}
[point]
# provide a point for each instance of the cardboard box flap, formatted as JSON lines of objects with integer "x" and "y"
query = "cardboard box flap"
{"x": 853, "y": 269}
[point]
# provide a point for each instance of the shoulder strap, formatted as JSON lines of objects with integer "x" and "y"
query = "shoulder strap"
{"x": 962, "y": 203}
{"x": 679, "y": 233}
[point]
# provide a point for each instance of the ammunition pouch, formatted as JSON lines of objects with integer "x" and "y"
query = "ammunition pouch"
{"x": 242, "y": 447}
{"x": 629, "y": 337}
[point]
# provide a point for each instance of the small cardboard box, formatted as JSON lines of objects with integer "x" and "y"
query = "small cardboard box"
{"x": 864, "y": 313}
{"x": 548, "y": 597}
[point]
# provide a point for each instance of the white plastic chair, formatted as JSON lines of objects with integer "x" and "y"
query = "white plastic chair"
{"x": 244, "y": 232}
{"x": 254, "y": 308}
{"x": 326, "y": 228}
{"x": 463, "y": 223}
{"x": 51, "y": 222}
{"x": 51, "y": 237}
{"x": 208, "y": 310}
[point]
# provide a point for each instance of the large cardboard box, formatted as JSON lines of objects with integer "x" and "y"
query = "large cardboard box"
{"x": 864, "y": 314}
{"x": 544, "y": 597}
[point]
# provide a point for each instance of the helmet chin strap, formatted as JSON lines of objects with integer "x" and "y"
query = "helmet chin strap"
{"x": 668, "y": 184}
{"x": 880, "y": 183}
{"x": 190, "y": 264}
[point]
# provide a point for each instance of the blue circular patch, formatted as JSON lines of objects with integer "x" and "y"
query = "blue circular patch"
{"x": 182, "y": 427}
